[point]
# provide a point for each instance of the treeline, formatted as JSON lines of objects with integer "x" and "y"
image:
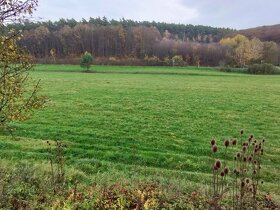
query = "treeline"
{"x": 127, "y": 42}
{"x": 178, "y": 31}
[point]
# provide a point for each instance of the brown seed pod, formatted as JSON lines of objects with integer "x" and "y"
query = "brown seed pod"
{"x": 242, "y": 184}
{"x": 213, "y": 142}
{"x": 214, "y": 148}
{"x": 238, "y": 155}
{"x": 222, "y": 174}
{"x": 234, "y": 142}
{"x": 247, "y": 181}
{"x": 241, "y": 131}
{"x": 226, "y": 170}
{"x": 218, "y": 164}
{"x": 226, "y": 143}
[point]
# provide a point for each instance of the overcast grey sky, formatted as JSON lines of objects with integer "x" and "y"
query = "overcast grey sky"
{"x": 237, "y": 14}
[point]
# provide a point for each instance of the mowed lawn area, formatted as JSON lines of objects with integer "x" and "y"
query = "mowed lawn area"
{"x": 148, "y": 123}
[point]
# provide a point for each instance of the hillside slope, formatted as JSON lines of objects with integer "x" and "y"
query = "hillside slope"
{"x": 264, "y": 33}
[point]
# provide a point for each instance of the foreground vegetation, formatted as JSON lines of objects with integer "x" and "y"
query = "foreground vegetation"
{"x": 152, "y": 124}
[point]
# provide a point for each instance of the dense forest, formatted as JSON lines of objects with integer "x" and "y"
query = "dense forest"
{"x": 130, "y": 42}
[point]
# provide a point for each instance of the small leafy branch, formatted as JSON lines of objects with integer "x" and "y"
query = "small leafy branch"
{"x": 56, "y": 159}
{"x": 244, "y": 179}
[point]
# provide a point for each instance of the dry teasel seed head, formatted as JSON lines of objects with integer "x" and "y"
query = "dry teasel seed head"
{"x": 226, "y": 170}
{"x": 226, "y": 143}
{"x": 213, "y": 142}
{"x": 244, "y": 149}
{"x": 234, "y": 142}
{"x": 214, "y": 148}
{"x": 242, "y": 184}
{"x": 241, "y": 131}
{"x": 218, "y": 164}
{"x": 222, "y": 174}
{"x": 238, "y": 155}
{"x": 247, "y": 181}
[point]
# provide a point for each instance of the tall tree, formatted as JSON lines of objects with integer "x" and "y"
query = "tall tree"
{"x": 17, "y": 97}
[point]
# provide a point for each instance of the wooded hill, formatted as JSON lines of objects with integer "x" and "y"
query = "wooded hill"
{"x": 264, "y": 33}
{"x": 127, "y": 42}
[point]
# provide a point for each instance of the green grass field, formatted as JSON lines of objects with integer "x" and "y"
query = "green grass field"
{"x": 149, "y": 123}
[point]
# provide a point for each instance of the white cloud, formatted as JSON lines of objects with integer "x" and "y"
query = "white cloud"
{"x": 236, "y": 14}
{"x": 159, "y": 10}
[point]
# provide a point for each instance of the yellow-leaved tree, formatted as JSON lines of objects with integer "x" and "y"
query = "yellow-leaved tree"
{"x": 18, "y": 92}
{"x": 245, "y": 51}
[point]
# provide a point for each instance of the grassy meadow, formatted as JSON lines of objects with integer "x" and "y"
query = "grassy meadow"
{"x": 148, "y": 123}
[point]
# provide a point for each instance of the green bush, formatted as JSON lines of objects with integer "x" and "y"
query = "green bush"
{"x": 264, "y": 68}
{"x": 86, "y": 60}
{"x": 226, "y": 69}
